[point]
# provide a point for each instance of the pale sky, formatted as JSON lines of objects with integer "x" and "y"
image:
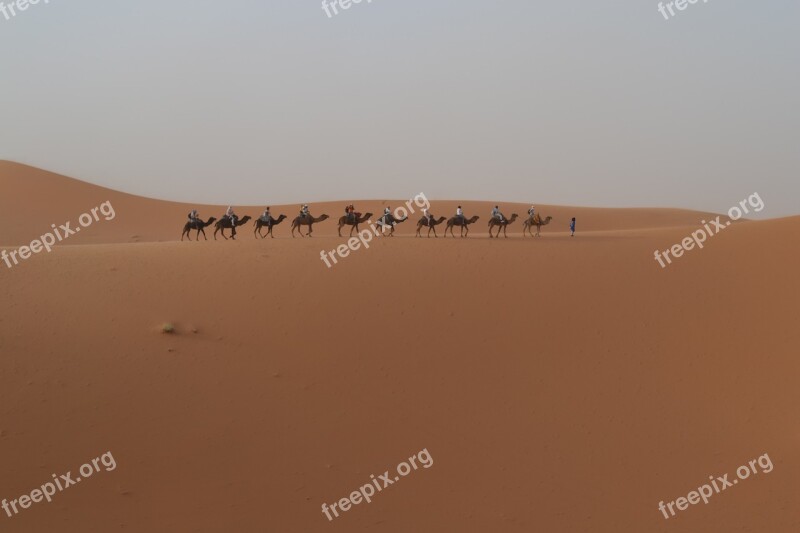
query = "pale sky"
{"x": 270, "y": 101}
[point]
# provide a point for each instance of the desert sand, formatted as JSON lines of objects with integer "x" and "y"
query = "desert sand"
{"x": 559, "y": 384}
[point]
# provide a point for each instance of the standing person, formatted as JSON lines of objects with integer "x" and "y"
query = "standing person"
{"x": 572, "y": 227}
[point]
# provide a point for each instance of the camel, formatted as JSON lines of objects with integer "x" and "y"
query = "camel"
{"x": 501, "y": 225}
{"x": 461, "y": 222}
{"x": 537, "y": 221}
{"x": 269, "y": 225}
{"x": 306, "y": 221}
{"x": 355, "y": 221}
{"x": 225, "y": 223}
{"x": 199, "y": 225}
{"x": 383, "y": 225}
{"x": 432, "y": 226}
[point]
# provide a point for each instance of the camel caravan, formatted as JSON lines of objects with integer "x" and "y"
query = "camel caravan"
{"x": 387, "y": 223}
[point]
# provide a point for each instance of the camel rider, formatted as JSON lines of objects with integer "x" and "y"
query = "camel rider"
{"x": 387, "y": 216}
{"x": 497, "y": 214}
{"x": 532, "y": 213}
{"x": 460, "y": 214}
{"x": 232, "y": 216}
{"x": 304, "y": 211}
{"x": 194, "y": 216}
{"x": 350, "y": 212}
{"x": 265, "y": 216}
{"x": 427, "y": 215}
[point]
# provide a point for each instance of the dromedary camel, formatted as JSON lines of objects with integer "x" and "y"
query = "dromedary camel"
{"x": 198, "y": 225}
{"x": 225, "y": 223}
{"x": 389, "y": 221}
{"x": 355, "y": 221}
{"x": 460, "y": 222}
{"x": 501, "y": 225}
{"x": 537, "y": 221}
{"x": 306, "y": 221}
{"x": 269, "y": 225}
{"x": 432, "y": 226}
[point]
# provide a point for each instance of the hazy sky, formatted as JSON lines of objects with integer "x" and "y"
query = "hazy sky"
{"x": 270, "y": 101}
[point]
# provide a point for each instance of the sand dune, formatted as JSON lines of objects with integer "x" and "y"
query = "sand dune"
{"x": 37, "y": 199}
{"x": 559, "y": 384}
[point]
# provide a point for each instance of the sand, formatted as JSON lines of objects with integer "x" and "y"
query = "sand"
{"x": 559, "y": 384}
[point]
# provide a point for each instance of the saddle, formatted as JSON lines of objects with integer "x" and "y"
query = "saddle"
{"x": 536, "y": 218}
